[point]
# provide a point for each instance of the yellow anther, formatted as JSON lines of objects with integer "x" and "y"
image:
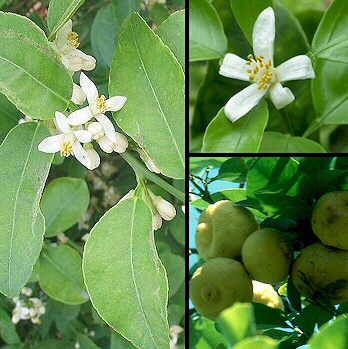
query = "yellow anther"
{"x": 74, "y": 39}
{"x": 66, "y": 149}
{"x": 101, "y": 104}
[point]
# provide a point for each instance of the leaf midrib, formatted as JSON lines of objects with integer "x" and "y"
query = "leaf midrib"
{"x": 155, "y": 96}
{"x": 15, "y": 206}
{"x": 133, "y": 274}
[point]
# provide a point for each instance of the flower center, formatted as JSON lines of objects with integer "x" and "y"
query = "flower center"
{"x": 66, "y": 149}
{"x": 101, "y": 104}
{"x": 74, "y": 39}
{"x": 261, "y": 72}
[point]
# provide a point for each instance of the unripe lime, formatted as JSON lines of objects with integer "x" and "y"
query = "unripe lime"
{"x": 330, "y": 219}
{"x": 222, "y": 230}
{"x": 266, "y": 256}
{"x": 218, "y": 284}
{"x": 321, "y": 273}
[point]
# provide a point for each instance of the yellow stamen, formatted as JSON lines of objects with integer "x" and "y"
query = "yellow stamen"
{"x": 74, "y": 39}
{"x": 66, "y": 149}
{"x": 260, "y": 71}
{"x": 101, "y": 104}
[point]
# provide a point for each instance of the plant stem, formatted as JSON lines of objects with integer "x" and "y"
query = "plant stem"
{"x": 142, "y": 171}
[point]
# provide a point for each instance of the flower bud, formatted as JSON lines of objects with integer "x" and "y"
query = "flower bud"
{"x": 156, "y": 221}
{"x": 165, "y": 209}
{"x": 121, "y": 144}
{"x": 78, "y": 96}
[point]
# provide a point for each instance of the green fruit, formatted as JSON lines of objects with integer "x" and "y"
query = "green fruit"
{"x": 266, "y": 256}
{"x": 330, "y": 219}
{"x": 222, "y": 230}
{"x": 321, "y": 273}
{"x": 218, "y": 284}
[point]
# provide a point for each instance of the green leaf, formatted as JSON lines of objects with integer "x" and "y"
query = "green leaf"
{"x": 21, "y": 222}
{"x": 333, "y": 335}
{"x": 9, "y": 116}
{"x": 49, "y": 83}
{"x": 172, "y": 33}
{"x": 275, "y": 142}
{"x": 242, "y": 136}
{"x": 85, "y": 342}
{"x": 258, "y": 342}
{"x": 106, "y": 27}
{"x": 155, "y": 117}
{"x": 118, "y": 342}
{"x": 234, "y": 169}
{"x": 7, "y": 329}
{"x": 53, "y": 344}
{"x": 207, "y": 37}
{"x": 237, "y": 322}
{"x": 119, "y": 260}
{"x": 330, "y": 49}
{"x": 60, "y": 275}
{"x": 177, "y": 227}
{"x": 267, "y": 317}
{"x": 59, "y": 12}
{"x": 63, "y": 203}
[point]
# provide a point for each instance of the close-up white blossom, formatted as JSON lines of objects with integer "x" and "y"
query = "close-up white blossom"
{"x": 259, "y": 70}
{"x": 99, "y": 125}
{"x": 27, "y": 308}
{"x": 67, "y": 42}
{"x": 71, "y": 141}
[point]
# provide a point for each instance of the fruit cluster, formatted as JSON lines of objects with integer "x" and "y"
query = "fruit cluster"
{"x": 238, "y": 254}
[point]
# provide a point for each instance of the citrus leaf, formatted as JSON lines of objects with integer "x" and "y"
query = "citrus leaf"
{"x": 154, "y": 113}
{"x": 60, "y": 275}
{"x": 8, "y": 329}
{"x": 63, "y": 203}
{"x": 21, "y": 222}
{"x": 207, "y": 37}
{"x": 59, "y": 12}
{"x": 119, "y": 260}
{"x": 28, "y": 63}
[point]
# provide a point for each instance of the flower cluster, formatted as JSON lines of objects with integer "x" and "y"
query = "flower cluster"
{"x": 27, "y": 307}
{"x": 76, "y": 132}
{"x": 259, "y": 70}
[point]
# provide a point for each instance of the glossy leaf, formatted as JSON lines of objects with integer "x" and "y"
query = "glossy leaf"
{"x": 49, "y": 83}
{"x": 7, "y": 329}
{"x": 275, "y": 142}
{"x": 154, "y": 118}
{"x": 118, "y": 342}
{"x": 60, "y": 11}
{"x": 85, "y": 342}
{"x": 207, "y": 37}
{"x": 242, "y": 136}
{"x": 119, "y": 260}
{"x": 21, "y": 222}
{"x": 330, "y": 46}
{"x": 9, "y": 116}
{"x": 172, "y": 33}
{"x": 63, "y": 203}
{"x": 237, "y": 322}
{"x": 60, "y": 275}
{"x": 332, "y": 335}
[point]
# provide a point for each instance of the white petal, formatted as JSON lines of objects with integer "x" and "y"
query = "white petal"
{"x": 80, "y": 117}
{"x": 121, "y": 144}
{"x": 93, "y": 157}
{"x": 156, "y": 221}
{"x": 75, "y": 60}
{"x": 264, "y": 34}
{"x": 234, "y": 67}
{"x": 115, "y": 103}
{"x": 105, "y": 144}
{"x": 81, "y": 155}
{"x": 89, "y": 89}
{"x": 241, "y": 103}
{"x": 281, "y": 96}
{"x": 51, "y": 144}
{"x": 61, "y": 122}
{"x": 78, "y": 96}
{"x": 296, "y": 68}
{"x": 83, "y": 136}
{"x": 108, "y": 127}
{"x": 61, "y": 40}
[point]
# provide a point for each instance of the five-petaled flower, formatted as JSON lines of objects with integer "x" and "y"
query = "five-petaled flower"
{"x": 260, "y": 71}
{"x": 102, "y": 129}
{"x": 67, "y": 43}
{"x": 69, "y": 142}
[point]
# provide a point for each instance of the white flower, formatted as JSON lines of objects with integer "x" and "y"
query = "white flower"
{"x": 67, "y": 43}
{"x": 175, "y": 331}
{"x": 156, "y": 221}
{"x": 150, "y": 163}
{"x": 78, "y": 96}
{"x": 102, "y": 130}
{"x": 20, "y": 312}
{"x": 165, "y": 209}
{"x": 26, "y": 291}
{"x": 68, "y": 142}
{"x": 259, "y": 70}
